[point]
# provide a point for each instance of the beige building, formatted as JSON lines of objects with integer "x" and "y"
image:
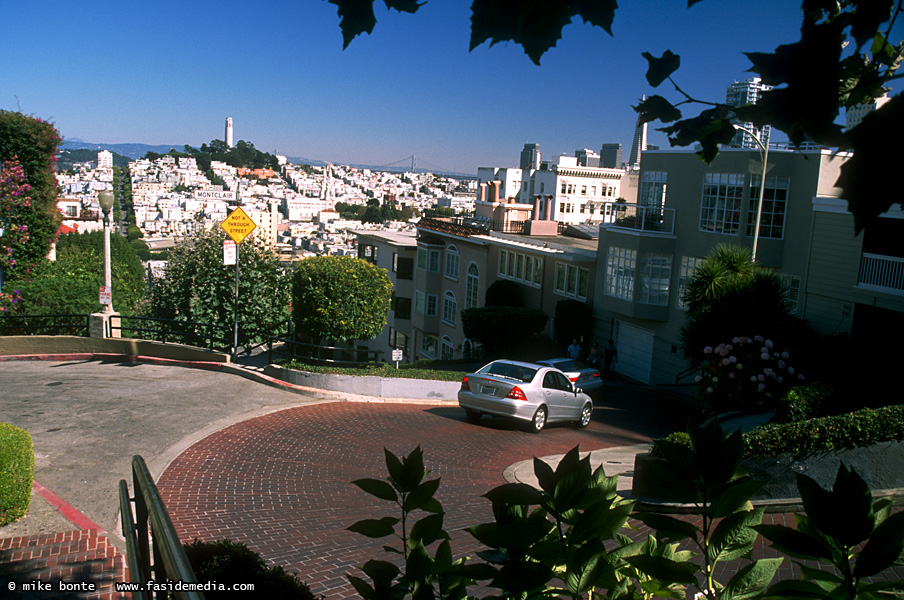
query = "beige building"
{"x": 685, "y": 208}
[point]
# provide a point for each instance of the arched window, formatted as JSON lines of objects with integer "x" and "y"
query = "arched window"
{"x": 450, "y": 307}
{"x": 471, "y": 289}
{"x": 448, "y": 348}
{"x": 452, "y": 260}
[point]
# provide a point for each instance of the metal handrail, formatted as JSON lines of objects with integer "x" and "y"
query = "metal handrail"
{"x": 211, "y": 338}
{"x": 292, "y": 344}
{"x": 169, "y": 561}
{"x": 83, "y": 327}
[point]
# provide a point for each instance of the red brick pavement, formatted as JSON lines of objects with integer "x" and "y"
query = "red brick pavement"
{"x": 71, "y": 557}
{"x": 281, "y": 483}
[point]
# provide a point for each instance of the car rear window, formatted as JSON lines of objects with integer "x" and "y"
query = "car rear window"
{"x": 509, "y": 371}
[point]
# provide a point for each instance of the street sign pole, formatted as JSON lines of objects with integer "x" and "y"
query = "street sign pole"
{"x": 235, "y": 308}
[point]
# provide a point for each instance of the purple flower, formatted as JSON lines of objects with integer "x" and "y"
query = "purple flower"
{"x": 761, "y": 387}
{"x": 708, "y": 350}
{"x": 769, "y": 344}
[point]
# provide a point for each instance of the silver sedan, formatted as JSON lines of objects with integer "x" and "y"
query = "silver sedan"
{"x": 537, "y": 394}
{"x": 579, "y": 374}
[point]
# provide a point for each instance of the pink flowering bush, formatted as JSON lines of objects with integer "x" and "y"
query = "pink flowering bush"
{"x": 745, "y": 374}
{"x": 15, "y": 203}
{"x": 10, "y": 302}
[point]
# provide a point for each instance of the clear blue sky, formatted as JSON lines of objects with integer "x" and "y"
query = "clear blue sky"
{"x": 170, "y": 72}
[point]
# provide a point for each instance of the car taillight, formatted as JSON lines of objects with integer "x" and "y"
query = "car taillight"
{"x": 575, "y": 378}
{"x": 464, "y": 385}
{"x": 516, "y": 394}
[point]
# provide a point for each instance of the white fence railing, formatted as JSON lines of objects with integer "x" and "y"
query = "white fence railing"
{"x": 881, "y": 273}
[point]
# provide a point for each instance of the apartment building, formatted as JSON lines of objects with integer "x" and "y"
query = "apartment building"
{"x": 651, "y": 249}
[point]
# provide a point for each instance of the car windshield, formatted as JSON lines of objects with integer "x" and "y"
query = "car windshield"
{"x": 509, "y": 371}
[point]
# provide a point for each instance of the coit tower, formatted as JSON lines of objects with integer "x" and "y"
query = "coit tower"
{"x": 229, "y": 132}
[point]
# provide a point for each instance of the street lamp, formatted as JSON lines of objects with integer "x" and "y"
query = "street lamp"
{"x": 764, "y": 156}
{"x": 105, "y": 199}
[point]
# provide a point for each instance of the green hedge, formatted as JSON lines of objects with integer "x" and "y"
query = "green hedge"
{"x": 854, "y": 430}
{"x": 802, "y": 403}
{"x": 17, "y": 471}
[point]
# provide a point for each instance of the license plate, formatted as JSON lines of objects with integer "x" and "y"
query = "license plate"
{"x": 488, "y": 390}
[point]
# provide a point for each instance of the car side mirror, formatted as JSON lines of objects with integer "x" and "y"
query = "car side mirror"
{"x": 577, "y": 391}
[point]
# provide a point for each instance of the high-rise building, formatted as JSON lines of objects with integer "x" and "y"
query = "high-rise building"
{"x": 530, "y": 156}
{"x": 855, "y": 114}
{"x": 104, "y": 159}
{"x": 611, "y": 156}
{"x": 740, "y": 93}
{"x": 229, "y": 132}
{"x": 639, "y": 144}
{"x": 587, "y": 158}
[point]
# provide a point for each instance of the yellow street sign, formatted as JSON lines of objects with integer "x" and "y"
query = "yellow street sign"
{"x": 238, "y": 225}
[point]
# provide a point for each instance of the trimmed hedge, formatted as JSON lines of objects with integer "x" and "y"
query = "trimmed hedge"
{"x": 229, "y": 563}
{"x": 17, "y": 472}
{"x": 854, "y": 430}
{"x": 802, "y": 403}
{"x": 417, "y": 370}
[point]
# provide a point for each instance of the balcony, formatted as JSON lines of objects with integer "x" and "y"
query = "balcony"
{"x": 881, "y": 273}
{"x": 646, "y": 219}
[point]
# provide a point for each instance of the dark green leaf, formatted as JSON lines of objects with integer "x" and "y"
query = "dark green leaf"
{"x": 428, "y": 530}
{"x": 750, "y": 581}
{"x": 534, "y": 24}
{"x": 735, "y": 497}
{"x": 733, "y": 536}
{"x": 515, "y": 578}
{"x": 421, "y": 495}
{"x": 867, "y": 18}
{"x": 409, "y": 6}
{"x": 794, "y": 543}
{"x": 515, "y": 493}
{"x": 393, "y": 465}
{"x": 660, "y": 69}
{"x": 664, "y": 569}
{"x": 378, "y": 488}
{"x": 476, "y": 571}
{"x": 884, "y": 547}
{"x": 791, "y": 590}
{"x": 362, "y": 587}
{"x": 381, "y": 572}
{"x": 375, "y": 528}
{"x": 357, "y": 17}
{"x": 545, "y": 476}
{"x": 442, "y": 561}
{"x": 412, "y": 472}
{"x": 657, "y": 108}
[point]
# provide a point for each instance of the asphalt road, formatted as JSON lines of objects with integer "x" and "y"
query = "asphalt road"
{"x": 88, "y": 418}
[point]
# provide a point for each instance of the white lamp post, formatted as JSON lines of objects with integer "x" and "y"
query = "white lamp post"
{"x": 764, "y": 156}
{"x": 105, "y": 199}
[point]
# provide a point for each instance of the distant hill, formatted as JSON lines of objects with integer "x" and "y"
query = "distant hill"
{"x": 132, "y": 151}
{"x": 68, "y": 156}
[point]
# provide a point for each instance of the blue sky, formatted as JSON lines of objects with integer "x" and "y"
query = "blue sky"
{"x": 170, "y": 72}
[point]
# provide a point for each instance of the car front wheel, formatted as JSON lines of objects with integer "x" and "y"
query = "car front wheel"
{"x": 539, "y": 420}
{"x": 586, "y": 413}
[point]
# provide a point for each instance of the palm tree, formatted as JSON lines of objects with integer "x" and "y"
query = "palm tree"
{"x": 730, "y": 296}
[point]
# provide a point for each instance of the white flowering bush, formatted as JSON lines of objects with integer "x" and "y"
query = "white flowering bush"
{"x": 745, "y": 374}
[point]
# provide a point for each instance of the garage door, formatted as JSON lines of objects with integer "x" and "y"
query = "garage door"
{"x": 635, "y": 352}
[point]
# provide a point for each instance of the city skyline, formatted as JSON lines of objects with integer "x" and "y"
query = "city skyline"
{"x": 170, "y": 73}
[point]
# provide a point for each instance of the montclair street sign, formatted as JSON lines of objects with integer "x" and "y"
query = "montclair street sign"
{"x": 238, "y": 225}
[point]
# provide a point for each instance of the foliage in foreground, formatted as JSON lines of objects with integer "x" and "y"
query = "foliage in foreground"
{"x": 17, "y": 471}
{"x": 566, "y": 540}
{"x": 230, "y": 563}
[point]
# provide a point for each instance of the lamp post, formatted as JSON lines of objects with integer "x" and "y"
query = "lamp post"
{"x": 105, "y": 199}
{"x": 764, "y": 156}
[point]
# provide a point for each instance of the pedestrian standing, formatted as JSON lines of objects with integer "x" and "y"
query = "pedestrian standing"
{"x": 610, "y": 355}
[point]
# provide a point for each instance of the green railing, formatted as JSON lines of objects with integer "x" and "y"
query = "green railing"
{"x": 153, "y": 550}
{"x": 62, "y": 324}
{"x": 190, "y": 333}
{"x": 288, "y": 348}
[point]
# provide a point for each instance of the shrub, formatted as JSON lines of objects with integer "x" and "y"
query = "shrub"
{"x": 340, "y": 298}
{"x": 17, "y": 471}
{"x": 228, "y": 563}
{"x": 854, "y": 430}
{"x": 802, "y": 403}
{"x": 503, "y": 292}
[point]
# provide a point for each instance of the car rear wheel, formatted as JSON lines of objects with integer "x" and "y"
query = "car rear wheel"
{"x": 472, "y": 415}
{"x": 586, "y": 413}
{"x": 539, "y": 421}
